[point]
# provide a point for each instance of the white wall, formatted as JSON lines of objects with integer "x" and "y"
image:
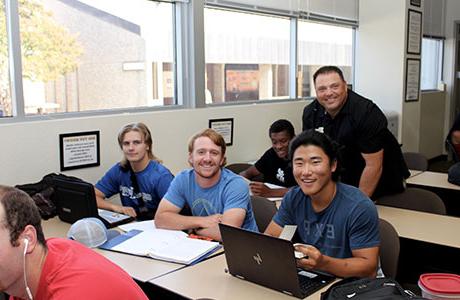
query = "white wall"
{"x": 380, "y": 52}
{"x": 452, "y": 14}
{"x": 31, "y": 149}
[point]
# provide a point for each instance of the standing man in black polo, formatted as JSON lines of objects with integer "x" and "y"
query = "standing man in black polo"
{"x": 371, "y": 158}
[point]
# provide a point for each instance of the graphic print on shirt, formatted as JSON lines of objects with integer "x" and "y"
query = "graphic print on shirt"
{"x": 280, "y": 175}
{"x": 202, "y": 207}
{"x": 129, "y": 192}
{"x": 321, "y": 235}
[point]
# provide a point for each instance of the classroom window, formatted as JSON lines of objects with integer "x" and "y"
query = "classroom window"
{"x": 96, "y": 55}
{"x": 432, "y": 60}
{"x": 246, "y": 56}
{"x": 319, "y": 45}
{"x": 5, "y": 89}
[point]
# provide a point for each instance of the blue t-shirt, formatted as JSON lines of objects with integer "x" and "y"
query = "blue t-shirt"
{"x": 231, "y": 191}
{"x": 153, "y": 183}
{"x": 350, "y": 222}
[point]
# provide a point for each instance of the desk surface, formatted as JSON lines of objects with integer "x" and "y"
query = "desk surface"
{"x": 432, "y": 179}
{"x": 209, "y": 280}
{"x": 415, "y": 173}
{"x": 140, "y": 268}
{"x": 421, "y": 226}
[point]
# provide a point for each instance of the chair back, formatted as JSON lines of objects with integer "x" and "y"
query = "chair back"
{"x": 415, "y": 199}
{"x": 264, "y": 210}
{"x": 416, "y": 161}
{"x": 389, "y": 249}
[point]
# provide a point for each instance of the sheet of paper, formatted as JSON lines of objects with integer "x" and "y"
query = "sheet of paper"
{"x": 148, "y": 225}
{"x": 274, "y": 199}
{"x": 288, "y": 232}
{"x": 273, "y": 186}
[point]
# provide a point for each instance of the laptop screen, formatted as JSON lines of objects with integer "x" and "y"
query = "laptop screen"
{"x": 268, "y": 261}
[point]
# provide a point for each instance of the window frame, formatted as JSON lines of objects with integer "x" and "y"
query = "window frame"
{"x": 188, "y": 60}
{"x": 440, "y": 62}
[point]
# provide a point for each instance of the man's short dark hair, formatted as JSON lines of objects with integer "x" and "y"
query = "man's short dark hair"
{"x": 20, "y": 211}
{"x": 326, "y": 70}
{"x": 280, "y": 126}
{"x": 312, "y": 137}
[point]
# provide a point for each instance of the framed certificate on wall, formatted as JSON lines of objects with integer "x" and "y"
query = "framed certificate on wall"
{"x": 414, "y": 32}
{"x": 412, "y": 79}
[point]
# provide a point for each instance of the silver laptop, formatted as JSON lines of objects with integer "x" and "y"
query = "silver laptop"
{"x": 268, "y": 261}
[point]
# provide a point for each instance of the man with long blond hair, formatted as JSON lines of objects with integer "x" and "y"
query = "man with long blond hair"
{"x": 140, "y": 178}
{"x": 213, "y": 193}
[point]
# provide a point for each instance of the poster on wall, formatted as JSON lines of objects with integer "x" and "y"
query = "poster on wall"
{"x": 414, "y": 32}
{"x": 412, "y": 79}
{"x": 79, "y": 150}
{"x": 225, "y": 128}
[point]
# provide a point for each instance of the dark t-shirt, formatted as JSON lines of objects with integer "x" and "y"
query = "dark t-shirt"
{"x": 360, "y": 127}
{"x": 275, "y": 169}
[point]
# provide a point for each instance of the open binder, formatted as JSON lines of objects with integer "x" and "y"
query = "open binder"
{"x": 168, "y": 245}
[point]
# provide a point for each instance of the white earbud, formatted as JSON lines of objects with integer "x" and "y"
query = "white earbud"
{"x": 26, "y": 245}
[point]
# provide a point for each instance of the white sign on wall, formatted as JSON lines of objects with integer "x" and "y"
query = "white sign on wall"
{"x": 79, "y": 150}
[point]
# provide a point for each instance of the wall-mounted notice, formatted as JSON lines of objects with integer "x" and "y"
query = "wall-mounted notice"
{"x": 412, "y": 79}
{"x": 79, "y": 150}
{"x": 414, "y": 32}
{"x": 225, "y": 128}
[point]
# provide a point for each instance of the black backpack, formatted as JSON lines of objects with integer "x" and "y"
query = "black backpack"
{"x": 366, "y": 288}
{"x": 42, "y": 193}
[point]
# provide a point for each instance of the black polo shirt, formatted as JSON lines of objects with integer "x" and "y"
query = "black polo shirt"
{"x": 360, "y": 127}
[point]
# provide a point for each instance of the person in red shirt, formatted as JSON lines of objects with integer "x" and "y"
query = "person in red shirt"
{"x": 34, "y": 268}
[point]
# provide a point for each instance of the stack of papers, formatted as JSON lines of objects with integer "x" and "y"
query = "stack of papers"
{"x": 144, "y": 239}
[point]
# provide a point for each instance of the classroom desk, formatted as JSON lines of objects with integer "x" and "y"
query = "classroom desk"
{"x": 209, "y": 280}
{"x": 421, "y": 226}
{"x": 414, "y": 173}
{"x": 140, "y": 268}
{"x": 432, "y": 179}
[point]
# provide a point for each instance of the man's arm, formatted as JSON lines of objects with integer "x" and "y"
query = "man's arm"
{"x": 102, "y": 203}
{"x": 168, "y": 217}
{"x": 362, "y": 264}
{"x": 234, "y": 217}
{"x": 372, "y": 172}
{"x": 250, "y": 172}
{"x": 273, "y": 229}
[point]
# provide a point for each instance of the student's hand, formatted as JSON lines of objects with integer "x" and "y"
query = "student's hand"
{"x": 127, "y": 210}
{"x": 313, "y": 257}
{"x": 259, "y": 189}
{"x": 210, "y": 221}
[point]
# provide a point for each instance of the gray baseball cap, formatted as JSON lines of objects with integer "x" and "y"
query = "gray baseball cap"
{"x": 91, "y": 232}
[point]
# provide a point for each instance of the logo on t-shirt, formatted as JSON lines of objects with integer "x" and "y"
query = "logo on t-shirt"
{"x": 202, "y": 207}
{"x": 280, "y": 175}
{"x": 129, "y": 192}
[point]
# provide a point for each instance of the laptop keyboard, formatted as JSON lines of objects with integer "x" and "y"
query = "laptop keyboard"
{"x": 111, "y": 216}
{"x": 308, "y": 286}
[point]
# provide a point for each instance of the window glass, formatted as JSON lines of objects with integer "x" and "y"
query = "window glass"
{"x": 246, "y": 56}
{"x": 320, "y": 45}
{"x": 5, "y": 91}
{"x": 431, "y": 63}
{"x": 96, "y": 54}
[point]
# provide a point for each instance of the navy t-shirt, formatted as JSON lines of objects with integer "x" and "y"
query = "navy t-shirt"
{"x": 350, "y": 222}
